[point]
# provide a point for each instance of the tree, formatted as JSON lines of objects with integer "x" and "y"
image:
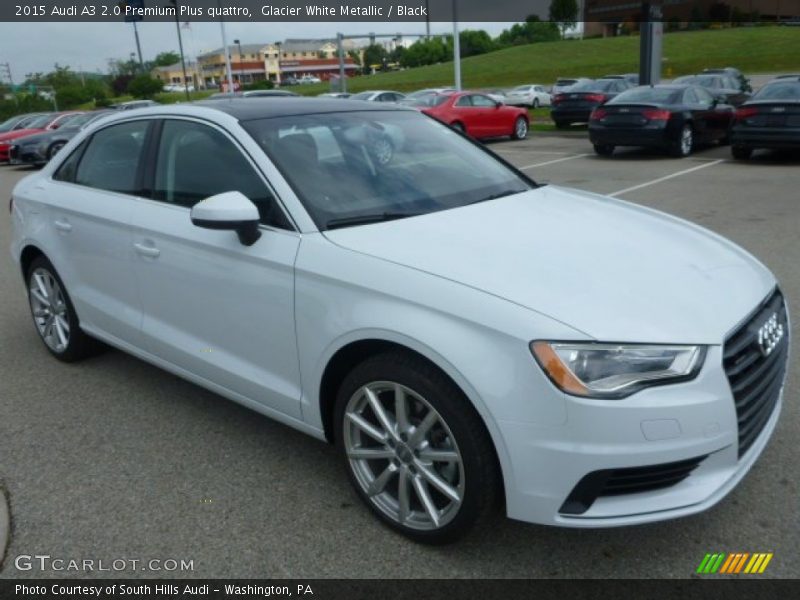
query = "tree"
{"x": 144, "y": 86}
{"x": 427, "y": 52}
{"x": 355, "y": 56}
{"x": 374, "y": 54}
{"x": 565, "y": 13}
{"x": 474, "y": 42}
{"x": 531, "y": 31}
{"x": 165, "y": 59}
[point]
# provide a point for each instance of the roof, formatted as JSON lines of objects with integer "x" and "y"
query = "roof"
{"x": 234, "y": 49}
{"x": 176, "y": 67}
{"x": 304, "y": 45}
{"x": 248, "y": 109}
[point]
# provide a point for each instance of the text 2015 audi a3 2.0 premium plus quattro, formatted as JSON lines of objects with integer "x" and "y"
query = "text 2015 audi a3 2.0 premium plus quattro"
{"x": 466, "y": 337}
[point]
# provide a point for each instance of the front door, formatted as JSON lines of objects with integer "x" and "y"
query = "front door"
{"x": 212, "y": 306}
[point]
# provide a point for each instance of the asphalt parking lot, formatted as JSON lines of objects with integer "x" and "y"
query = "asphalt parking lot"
{"x": 113, "y": 458}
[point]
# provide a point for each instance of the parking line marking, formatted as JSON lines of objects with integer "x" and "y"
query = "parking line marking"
{"x": 529, "y": 151}
{"x": 550, "y": 162}
{"x": 666, "y": 177}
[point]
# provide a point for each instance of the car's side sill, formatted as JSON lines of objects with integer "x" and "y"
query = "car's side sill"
{"x": 205, "y": 383}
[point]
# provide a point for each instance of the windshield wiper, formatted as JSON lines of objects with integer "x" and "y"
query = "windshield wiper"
{"x": 369, "y": 218}
{"x": 502, "y": 194}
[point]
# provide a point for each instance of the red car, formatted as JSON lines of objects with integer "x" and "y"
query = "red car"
{"x": 476, "y": 114}
{"x": 44, "y": 122}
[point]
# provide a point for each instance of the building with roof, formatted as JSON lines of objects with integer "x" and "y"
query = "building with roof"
{"x": 247, "y": 64}
{"x": 173, "y": 74}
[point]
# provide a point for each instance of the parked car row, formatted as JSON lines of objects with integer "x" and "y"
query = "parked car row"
{"x": 714, "y": 106}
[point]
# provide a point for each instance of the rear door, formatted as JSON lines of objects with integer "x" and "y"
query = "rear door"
{"x": 91, "y": 200}
{"x": 496, "y": 120}
{"x": 212, "y": 306}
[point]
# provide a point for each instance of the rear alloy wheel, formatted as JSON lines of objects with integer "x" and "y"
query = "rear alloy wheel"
{"x": 520, "y": 129}
{"x": 535, "y": 103}
{"x": 383, "y": 150}
{"x": 741, "y": 152}
{"x": 53, "y": 314}
{"x": 458, "y": 127}
{"x": 604, "y": 149}
{"x": 685, "y": 144}
{"x": 415, "y": 449}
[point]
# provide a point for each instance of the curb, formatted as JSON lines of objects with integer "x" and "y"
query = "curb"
{"x": 5, "y": 525}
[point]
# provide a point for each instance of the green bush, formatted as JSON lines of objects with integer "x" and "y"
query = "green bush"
{"x": 144, "y": 86}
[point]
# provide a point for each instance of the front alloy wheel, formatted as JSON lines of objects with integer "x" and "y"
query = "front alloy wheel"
{"x": 403, "y": 455}
{"x": 415, "y": 449}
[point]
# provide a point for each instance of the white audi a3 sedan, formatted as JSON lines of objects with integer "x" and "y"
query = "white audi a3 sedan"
{"x": 467, "y": 339}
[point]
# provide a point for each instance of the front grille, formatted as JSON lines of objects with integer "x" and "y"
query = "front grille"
{"x": 756, "y": 376}
{"x": 630, "y": 480}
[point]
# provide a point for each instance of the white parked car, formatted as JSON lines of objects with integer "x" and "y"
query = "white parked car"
{"x": 177, "y": 87}
{"x": 532, "y": 96}
{"x": 306, "y": 79}
{"x": 379, "y": 96}
{"x": 437, "y": 316}
{"x": 563, "y": 84}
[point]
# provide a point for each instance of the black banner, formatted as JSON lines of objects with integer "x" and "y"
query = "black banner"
{"x": 377, "y": 589}
{"x": 785, "y": 11}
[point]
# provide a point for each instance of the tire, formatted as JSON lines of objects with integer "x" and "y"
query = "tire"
{"x": 520, "y": 131}
{"x": 383, "y": 150}
{"x": 54, "y": 149}
{"x": 604, "y": 149}
{"x": 741, "y": 152}
{"x": 684, "y": 145}
{"x": 535, "y": 103}
{"x": 54, "y": 315}
{"x": 467, "y": 479}
{"x": 459, "y": 127}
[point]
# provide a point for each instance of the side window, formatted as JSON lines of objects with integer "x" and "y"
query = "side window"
{"x": 689, "y": 97}
{"x": 111, "y": 159}
{"x": 196, "y": 161}
{"x": 68, "y": 169}
{"x": 703, "y": 97}
{"x": 482, "y": 101}
{"x": 464, "y": 101}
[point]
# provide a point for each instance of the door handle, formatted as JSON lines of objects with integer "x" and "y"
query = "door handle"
{"x": 62, "y": 225}
{"x": 150, "y": 251}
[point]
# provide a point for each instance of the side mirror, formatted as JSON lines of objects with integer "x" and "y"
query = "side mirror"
{"x": 231, "y": 211}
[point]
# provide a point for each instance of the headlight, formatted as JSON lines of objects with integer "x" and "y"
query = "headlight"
{"x": 615, "y": 370}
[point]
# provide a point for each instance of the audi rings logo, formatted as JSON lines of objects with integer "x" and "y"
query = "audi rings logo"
{"x": 770, "y": 335}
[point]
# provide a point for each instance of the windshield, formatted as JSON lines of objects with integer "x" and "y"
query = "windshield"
{"x": 39, "y": 122}
{"x": 427, "y": 100}
{"x": 8, "y": 124}
{"x": 354, "y": 165}
{"x": 649, "y": 95}
{"x": 785, "y": 90}
{"x": 593, "y": 86}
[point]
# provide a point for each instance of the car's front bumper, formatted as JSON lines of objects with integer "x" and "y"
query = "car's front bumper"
{"x": 657, "y": 426}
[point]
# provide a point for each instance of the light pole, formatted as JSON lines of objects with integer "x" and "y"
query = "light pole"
{"x": 278, "y": 44}
{"x": 180, "y": 46}
{"x": 456, "y": 46}
{"x": 225, "y": 50}
{"x": 241, "y": 68}
{"x": 427, "y": 20}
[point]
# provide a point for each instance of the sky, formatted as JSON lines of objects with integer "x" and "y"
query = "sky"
{"x": 36, "y": 47}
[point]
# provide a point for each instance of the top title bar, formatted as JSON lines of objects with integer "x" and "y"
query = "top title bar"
{"x": 391, "y": 10}
{"x": 273, "y": 10}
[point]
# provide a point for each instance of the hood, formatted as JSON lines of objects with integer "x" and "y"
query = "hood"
{"x": 613, "y": 270}
{"x": 13, "y": 135}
